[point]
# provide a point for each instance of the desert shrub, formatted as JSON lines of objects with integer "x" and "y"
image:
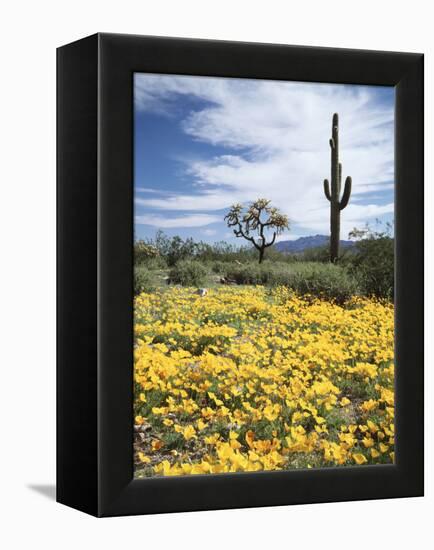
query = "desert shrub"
{"x": 272, "y": 254}
{"x": 180, "y": 250}
{"x": 188, "y": 273}
{"x": 329, "y": 281}
{"x": 372, "y": 265}
{"x": 223, "y": 252}
{"x": 146, "y": 254}
{"x": 218, "y": 267}
{"x": 173, "y": 249}
{"x": 253, "y": 273}
{"x": 316, "y": 254}
{"x": 144, "y": 251}
{"x": 153, "y": 263}
{"x": 144, "y": 280}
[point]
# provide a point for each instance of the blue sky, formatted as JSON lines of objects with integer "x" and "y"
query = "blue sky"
{"x": 202, "y": 144}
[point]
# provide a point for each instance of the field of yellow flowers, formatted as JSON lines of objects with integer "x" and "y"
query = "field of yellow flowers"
{"x": 249, "y": 378}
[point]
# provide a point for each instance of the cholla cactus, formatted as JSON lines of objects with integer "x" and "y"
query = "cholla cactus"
{"x": 336, "y": 203}
{"x": 245, "y": 224}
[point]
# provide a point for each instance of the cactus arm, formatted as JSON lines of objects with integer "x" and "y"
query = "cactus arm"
{"x": 272, "y": 240}
{"x": 327, "y": 190}
{"x": 240, "y": 233}
{"x": 347, "y": 193}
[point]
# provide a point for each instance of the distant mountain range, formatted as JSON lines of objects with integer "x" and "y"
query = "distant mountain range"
{"x": 304, "y": 243}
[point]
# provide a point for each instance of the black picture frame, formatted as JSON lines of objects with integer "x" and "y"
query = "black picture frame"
{"x": 95, "y": 268}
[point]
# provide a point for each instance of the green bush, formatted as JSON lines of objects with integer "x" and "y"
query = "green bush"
{"x": 328, "y": 281}
{"x": 373, "y": 266}
{"x": 188, "y": 273}
{"x": 143, "y": 280}
{"x": 148, "y": 255}
{"x": 218, "y": 266}
{"x": 154, "y": 263}
{"x": 316, "y": 254}
{"x": 144, "y": 251}
{"x": 254, "y": 273}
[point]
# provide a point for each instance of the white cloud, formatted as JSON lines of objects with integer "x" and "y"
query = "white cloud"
{"x": 193, "y": 220}
{"x": 148, "y": 190}
{"x": 278, "y": 133}
{"x": 209, "y": 232}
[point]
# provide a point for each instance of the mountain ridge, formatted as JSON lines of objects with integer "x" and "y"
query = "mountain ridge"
{"x": 304, "y": 243}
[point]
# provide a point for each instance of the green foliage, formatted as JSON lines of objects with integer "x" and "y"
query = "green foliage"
{"x": 250, "y": 274}
{"x": 176, "y": 249}
{"x": 373, "y": 265}
{"x": 144, "y": 280}
{"x": 373, "y": 260}
{"x": 328, "y": 281}
{"x": 218, "y": 267}
{"x": 366, "y": 268}
{"x": 144, "y": 251}
{"x": 171, "y": 250}
{"x": 188, "y": 273}
{"x": 323, "y": 280}
{"x": 223, "y": 252}
{"x": 173, "y": 440}
{"x": 317, "y": 254}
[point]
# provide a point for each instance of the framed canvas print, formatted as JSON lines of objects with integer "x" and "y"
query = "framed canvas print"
{"x": 240, "y": 275}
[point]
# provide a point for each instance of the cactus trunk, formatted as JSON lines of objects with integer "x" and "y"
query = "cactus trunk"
{"x": 335, "y": 230}
{"x": 336, "y": 203}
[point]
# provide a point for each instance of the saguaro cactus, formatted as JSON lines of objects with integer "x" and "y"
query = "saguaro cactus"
{"x": 336, "y": 203}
